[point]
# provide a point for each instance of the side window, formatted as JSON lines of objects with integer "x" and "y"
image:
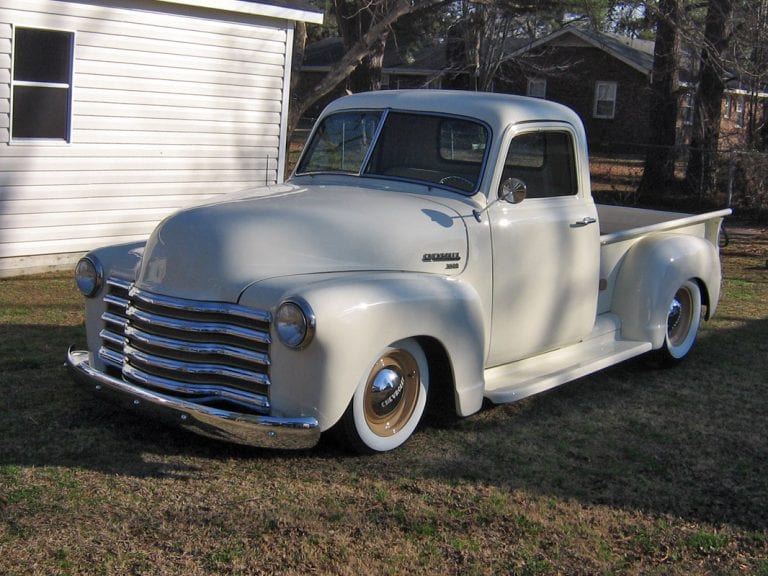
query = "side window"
{"x": 544, "y": 161}
{"x": 41, "y": 84}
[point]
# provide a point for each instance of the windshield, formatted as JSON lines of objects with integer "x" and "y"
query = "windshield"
{"x": 427, "y": 148}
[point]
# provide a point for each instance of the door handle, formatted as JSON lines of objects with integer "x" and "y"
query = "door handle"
{"x": 586, "y": 221}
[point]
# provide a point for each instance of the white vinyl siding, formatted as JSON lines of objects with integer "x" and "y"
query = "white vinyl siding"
{"x": 169, "y": 108}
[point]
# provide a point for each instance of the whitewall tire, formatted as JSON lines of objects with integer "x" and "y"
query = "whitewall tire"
{"x": 389, "y": 401}
{"x": 683, "y": 320}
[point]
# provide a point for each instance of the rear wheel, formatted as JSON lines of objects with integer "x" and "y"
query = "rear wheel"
{"x": 389, "y": 400}
{"x": 683, "y": 320}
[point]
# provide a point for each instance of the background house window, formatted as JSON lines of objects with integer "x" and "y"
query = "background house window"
{"x": 42, "y": 84}
{"x": 605, "y": 100}
{"x": 740, "y": 112}
{"x": 687, "y": 109}
{"x": 537, "y": 88}
{"x": 728, "y": 106}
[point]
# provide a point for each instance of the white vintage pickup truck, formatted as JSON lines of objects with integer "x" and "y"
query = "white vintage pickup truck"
{"x": 420, "y": 230}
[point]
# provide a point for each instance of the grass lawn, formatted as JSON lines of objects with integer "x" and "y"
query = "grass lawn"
{"x": 634, "y": 470}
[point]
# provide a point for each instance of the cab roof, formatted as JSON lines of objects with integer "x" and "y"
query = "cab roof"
{"x": 496, "y": 110}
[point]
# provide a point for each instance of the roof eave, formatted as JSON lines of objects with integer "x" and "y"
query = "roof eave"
{"x": 585, "y": 38}
{"x": 254, "y": 9}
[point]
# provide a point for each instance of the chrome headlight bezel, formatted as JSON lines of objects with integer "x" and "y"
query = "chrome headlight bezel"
{"x": 89, "y": 276}
{"x": 295, "y": 323}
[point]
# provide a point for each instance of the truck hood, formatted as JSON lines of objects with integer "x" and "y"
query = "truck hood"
{"x": 214, "y": 252}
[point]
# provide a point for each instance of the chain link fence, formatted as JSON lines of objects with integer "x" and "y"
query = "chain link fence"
{"x": 741, "y": 183}
{"x": 742, "y": 180}
{"x": 747, "y": 184}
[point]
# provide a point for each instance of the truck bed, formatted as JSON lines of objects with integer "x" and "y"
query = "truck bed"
{"x": 621, "y": 227}
{"x": 619, "y": 223}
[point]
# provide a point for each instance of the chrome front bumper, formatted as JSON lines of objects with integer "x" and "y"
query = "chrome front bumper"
{"x": 247, "y": 429}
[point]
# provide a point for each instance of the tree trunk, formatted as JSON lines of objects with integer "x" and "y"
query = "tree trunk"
{"x": 354, "y": 56}
{"x": 659, "y": 171}
{"x": 702, "y": 164}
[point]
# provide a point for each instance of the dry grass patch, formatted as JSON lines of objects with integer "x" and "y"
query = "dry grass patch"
{"x": 631, "y": 471}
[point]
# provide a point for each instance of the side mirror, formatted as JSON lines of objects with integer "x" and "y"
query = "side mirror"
{"x": 513, "y": 190}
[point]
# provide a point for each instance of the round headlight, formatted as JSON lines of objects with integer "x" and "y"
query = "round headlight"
{"x": 89, "y": 276}
{"x": 295, "y": 323}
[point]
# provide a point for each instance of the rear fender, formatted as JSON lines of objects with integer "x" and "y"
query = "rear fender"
{"x": 652, "y": 271}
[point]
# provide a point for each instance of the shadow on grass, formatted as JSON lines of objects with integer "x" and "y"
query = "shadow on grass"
{"x": 691, "y": 441}
{"x": 49, "y": 420}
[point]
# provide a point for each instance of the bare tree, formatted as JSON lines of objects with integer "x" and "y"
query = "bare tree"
{"x": 702, "y": 163}
{"x": 353, "y": 19}
{"x": 660, "y": 158}
{"x": 749, "y": 49}
{"x": 369, "y": 45}
{"x": 484, "y": 31}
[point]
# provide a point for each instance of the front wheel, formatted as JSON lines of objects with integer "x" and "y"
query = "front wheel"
{"x": 683, "y": 319}
{"x": 389, "y": 400}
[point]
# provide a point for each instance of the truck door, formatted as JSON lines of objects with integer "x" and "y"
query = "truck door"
{"x": 546, "y": 248}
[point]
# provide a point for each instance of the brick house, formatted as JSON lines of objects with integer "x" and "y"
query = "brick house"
{"x": 606, "y": 79}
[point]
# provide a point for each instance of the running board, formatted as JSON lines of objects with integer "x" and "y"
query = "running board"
{"x": 603, "y": 348}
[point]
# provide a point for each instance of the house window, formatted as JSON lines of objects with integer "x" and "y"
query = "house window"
{"x": 687, "y": 109}
{"x": 605, "y": 100}
{"x": 537, "y": 88}
{"x": 41, "y": 84}
{"x": 740, "y": 112}
{"x": 728, "y": 106}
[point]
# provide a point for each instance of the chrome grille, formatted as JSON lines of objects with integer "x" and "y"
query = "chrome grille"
{"x": 206, "y": 352}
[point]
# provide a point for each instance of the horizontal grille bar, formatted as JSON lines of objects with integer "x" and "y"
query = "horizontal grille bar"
{"x": 183, "y": 347}
{"x": 113, "y": 300}
{"x": 195, "y": 327}
{"x": 119, "y": 283}
{"x": 191, "y": 306}
{"x": 116, "y": 340}
{"x": 205, "y": 393}
{"x": 193, "y": 368}
{"x": 109, "y": 356}
{"x": 118, "y": 322}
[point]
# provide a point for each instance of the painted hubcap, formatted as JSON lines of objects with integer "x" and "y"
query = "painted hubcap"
{"x": 391, "y": 393}
{"x": 679, "y": 317}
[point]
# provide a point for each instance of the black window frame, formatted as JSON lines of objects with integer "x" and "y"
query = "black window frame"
{"x": 550, "y": 161}
{"x": 38, "y": 90}
{"x": 367, "y": 167}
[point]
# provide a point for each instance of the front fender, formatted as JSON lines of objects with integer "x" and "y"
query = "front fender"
{"x": 357, "y": 316}
{"x": 651, "y": 272}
